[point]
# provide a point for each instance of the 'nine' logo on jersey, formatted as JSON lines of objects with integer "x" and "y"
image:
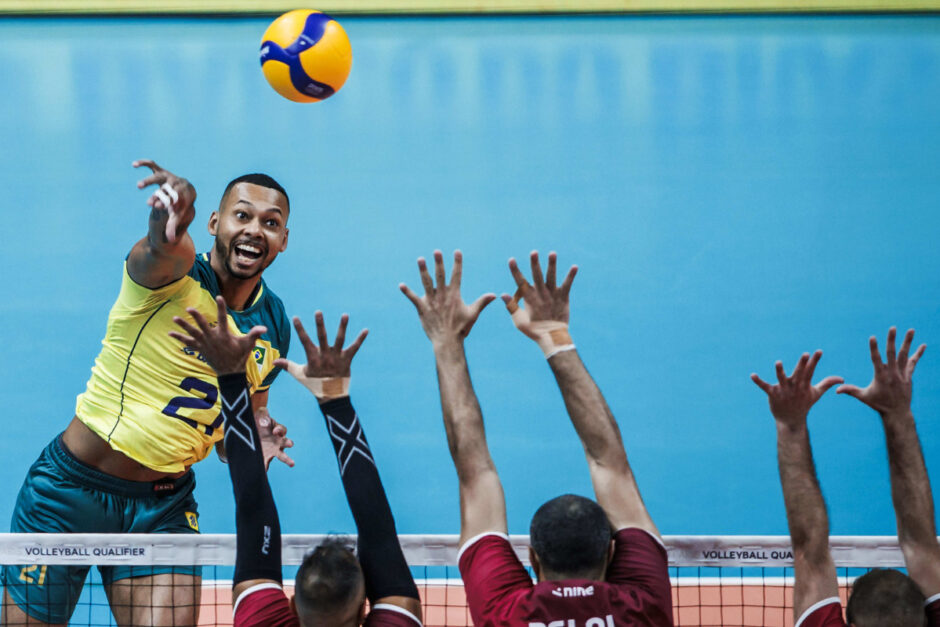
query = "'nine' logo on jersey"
{"x": 574, "y": 591}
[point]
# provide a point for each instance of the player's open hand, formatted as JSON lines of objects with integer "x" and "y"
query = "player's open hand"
{"x": 544, "y": 300}
{"x": 444, "y": 316}
{"x": 173, "y": 198}
{"x": 327, "y": 364}
{"x": 273, "y": 438}
{"x": 890, "y": 389}
{"x": 226, "y": 353}
{"x": 792, "y": 396}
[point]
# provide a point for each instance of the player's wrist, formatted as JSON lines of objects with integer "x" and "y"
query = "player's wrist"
{"x": 327, "y": 389}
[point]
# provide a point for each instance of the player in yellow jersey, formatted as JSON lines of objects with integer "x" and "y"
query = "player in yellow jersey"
{"x": 151, "y": 408}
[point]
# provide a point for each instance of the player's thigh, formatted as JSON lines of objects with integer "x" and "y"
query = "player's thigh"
{"x": 161, "y": 600}
{"x": 51, "y": 500}
{"x": 11, "y": 615}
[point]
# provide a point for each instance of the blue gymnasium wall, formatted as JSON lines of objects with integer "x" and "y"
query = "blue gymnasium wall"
{"x": 735, "y": 190}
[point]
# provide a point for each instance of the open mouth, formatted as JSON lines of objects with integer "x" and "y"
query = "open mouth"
{"x": 248, "y": 253}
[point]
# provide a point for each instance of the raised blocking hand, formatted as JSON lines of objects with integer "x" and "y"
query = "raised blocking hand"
{"x": 327, "y": 370}
{"x": 444, "y": 316}
{"x": 890, "y": 389}
{"x": 174, "y": 196}
{"x": 544, "y": 318}
{"x": 792, "y": 396}
{"x": 228, "y": 354}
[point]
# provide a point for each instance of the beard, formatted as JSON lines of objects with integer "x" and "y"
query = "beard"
{"x": 226, "y": 254}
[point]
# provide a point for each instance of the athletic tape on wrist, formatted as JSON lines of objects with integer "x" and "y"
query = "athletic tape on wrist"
{"x": 551, "y": 335}
{"x": 328, "y": 388}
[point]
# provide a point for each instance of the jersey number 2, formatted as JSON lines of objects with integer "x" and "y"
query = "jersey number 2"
{"x": 211, "y": 395}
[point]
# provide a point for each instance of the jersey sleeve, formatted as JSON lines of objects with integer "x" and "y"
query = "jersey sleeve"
{"x": 494, "y": 578}
{"x": 134, "y": 297}
{"x": 640, "y": 561}
{"x": 387, "y": 615}
{"x": 264, "y": 605}
{"x": 933, "y": 611}
{"x": 826, "y": 613}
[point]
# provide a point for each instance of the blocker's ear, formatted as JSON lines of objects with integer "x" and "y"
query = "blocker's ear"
{"x": 214, "y": 223}
{"x": 536, "y": 566}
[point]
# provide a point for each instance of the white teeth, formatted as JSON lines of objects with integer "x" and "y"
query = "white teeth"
{"x": 251, "y": 249}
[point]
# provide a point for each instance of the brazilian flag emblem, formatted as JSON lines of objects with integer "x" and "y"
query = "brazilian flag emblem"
{"x": 259, "y": 356}
{"x": 193, "y": 520}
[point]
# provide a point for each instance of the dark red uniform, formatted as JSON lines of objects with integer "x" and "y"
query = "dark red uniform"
{"x": 828, "y": 613}
{"x": 266, "y": 605}
{"x": 501, "y": 593}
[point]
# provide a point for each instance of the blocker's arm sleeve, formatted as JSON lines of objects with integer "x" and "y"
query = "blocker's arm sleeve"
{"x": 383, "y": 563}
{"x": 258, "y": 530}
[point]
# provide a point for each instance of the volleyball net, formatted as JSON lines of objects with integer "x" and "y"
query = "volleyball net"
{"x": 724, "y": 581}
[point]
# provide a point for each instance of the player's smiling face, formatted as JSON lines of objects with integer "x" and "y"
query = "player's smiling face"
{"x": 250, "y": 229}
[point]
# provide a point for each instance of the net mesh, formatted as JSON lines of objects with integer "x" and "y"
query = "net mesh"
{"x": 724, "y": 581}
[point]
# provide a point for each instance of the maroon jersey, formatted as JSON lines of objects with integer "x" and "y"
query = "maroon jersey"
{"x": 501, "y": 593}
{"x": 266, "y": 605}
{"x": 828, "y": 613}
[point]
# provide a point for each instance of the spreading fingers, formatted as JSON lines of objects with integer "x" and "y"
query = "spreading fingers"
{"x": 550, "y": 273}
{"x": 569, "y": 279}
{"x": 889, "y": 349}
{"x": 439, "y": 269}
{"x": 912, "y": 362}
{"x": 781, "y": 374}
{"x": 341, "y": 332}
{"x": 415, "y": 300}
{"x": 536, "y": 269}
{"x": 321, "y": 330}
{"x": 309, "y": 348}
{"x": 456, "y": 273}
{"x": 760, "y": 382}
{"x": 875, "y": 354}
{"x": 517, "y": 274}
{"x": 425, "y": 276}
{"x": 354, "y": 347}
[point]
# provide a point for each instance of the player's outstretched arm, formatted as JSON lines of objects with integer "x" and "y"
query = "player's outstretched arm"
{"x": 544, "y": 318}
{"x": 889, "y": 393}
{"x": 167, "y": 252}
{"x": 258, "y": 530}
{"x": 790, "y": 401}
{"x": 326, "y": 374}
{"x": 447, "y": 320}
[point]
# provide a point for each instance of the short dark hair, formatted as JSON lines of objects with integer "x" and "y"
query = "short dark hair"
{"x": 256, "y": 179}
{"x": 571, "y": 536}
{"x": 329, "y": 581}
{"x": 886, "y": 597}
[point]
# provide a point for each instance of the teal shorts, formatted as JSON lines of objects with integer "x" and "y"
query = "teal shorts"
{"x": 63, "y": 495}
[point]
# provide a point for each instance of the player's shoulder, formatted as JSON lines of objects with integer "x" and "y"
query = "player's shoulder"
{"x": 388, "y": 615}
{"x": 264, "y": 605}
{"x": 825, "y": 613}
{"x": 202, "y": 272}
{"x": 932, "y": 608}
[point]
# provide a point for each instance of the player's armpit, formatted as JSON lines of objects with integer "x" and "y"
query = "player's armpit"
{"x": 482, "y": 504}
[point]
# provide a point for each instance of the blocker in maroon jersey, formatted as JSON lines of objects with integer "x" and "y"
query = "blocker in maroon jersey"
{"x": 500, "y": 592}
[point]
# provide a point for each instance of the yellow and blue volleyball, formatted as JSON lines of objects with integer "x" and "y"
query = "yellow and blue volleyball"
{"x": 305, "y": 55}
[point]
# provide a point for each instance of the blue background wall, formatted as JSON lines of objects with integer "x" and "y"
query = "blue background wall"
{"x": 735, "y": 190}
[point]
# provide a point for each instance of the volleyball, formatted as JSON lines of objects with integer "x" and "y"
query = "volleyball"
{"x": 305, "y": 55}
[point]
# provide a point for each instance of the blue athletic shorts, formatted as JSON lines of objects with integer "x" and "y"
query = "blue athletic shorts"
{"x": 63, "y": 495}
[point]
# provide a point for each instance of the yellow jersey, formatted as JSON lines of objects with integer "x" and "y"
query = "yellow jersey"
{"x": 156, "y": 400}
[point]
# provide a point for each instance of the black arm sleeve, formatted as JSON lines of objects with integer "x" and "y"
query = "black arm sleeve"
{"x": 258, "y": 531}
{"x": 383, "y": 563}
